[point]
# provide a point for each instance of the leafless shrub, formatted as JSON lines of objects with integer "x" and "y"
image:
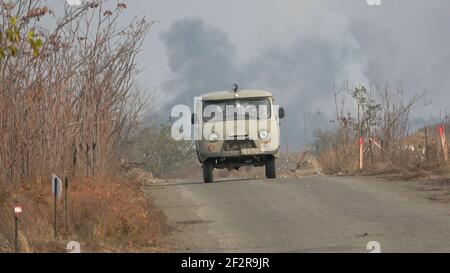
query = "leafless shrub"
{"x": 154, "y": 150}
{"x": 380, "y": 116}
{"x": 67, "y": 105}
{"x": 67, "y": 109}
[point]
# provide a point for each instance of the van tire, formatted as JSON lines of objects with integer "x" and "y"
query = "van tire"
{"x": 271, "y": 168}
{"x": 208, "y": 169}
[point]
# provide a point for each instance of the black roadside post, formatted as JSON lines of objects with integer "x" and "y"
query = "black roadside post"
{"x": 16, "y": 235}
{"x": 87, "y": 159}
{"x": 74, "y": 160}
{"x": 66, "y": 196}
{"x": 55, "y": 196}
{"x": 94, "y": 147}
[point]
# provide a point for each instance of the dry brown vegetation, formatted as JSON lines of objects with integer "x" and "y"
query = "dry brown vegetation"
{"x": 155, "y": 150}
{"x": 382, "y": 119}
{"x": 105, "y": 214}
{"x": 67, "y": 106}
{"x": 67, "y": 110}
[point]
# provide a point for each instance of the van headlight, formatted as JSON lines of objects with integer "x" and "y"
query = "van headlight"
{"x": 264, "y": 134}
{"x": 213, "y": 137}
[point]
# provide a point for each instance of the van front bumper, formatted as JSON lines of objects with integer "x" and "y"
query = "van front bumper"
{"x": 237, "y": 154}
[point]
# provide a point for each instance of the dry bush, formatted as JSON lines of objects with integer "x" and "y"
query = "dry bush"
{"x": 68, "y": 109}
{"x": 105, "y": 214}
{"x": 155, "y": 151}
{"x": 332, "y": 163}
{"x": 115, "y": 212}
{"x": 35, "y": 224}
{"x": 380, "y": 116}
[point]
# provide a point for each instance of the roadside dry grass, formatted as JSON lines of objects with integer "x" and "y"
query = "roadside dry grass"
{"x": 405, "y": 173}
{"x": 106, "y": 214}
{"x": 334, "y": 163}
{"x": 407, "y": 166}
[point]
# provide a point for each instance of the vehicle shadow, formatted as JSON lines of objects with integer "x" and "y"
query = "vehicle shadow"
{"x": 196, "y": 182}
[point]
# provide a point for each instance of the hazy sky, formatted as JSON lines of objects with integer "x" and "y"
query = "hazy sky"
{"x": 296, "y": 49}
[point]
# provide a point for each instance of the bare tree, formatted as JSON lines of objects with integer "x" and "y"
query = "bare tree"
{"x": 382, "y": 114}
{"x": 68, "y": 101}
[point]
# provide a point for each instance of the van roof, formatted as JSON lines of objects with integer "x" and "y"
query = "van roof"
{"x": 230, "y": 95}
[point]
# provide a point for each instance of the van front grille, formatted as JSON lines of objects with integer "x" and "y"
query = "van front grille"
{"x": 238, "y": 145}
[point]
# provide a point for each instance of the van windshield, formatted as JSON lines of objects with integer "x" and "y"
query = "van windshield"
{"x": 238, "y": 109}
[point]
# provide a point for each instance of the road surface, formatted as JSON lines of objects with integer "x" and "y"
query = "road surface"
{"x": 311, "y": 214}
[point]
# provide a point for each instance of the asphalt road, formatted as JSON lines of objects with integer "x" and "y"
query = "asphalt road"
{"x": 314, "y": 214}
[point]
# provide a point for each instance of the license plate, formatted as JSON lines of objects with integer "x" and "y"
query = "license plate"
{"x": 249, "y": 151}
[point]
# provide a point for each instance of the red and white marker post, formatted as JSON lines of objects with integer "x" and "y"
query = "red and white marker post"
{"x": 444, "y": 142}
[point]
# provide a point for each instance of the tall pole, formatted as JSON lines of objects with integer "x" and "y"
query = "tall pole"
{"x": 427, "y": 154}
{"x": 55, "y": 196}
{"x": 361, "y": 149}
{"x": 286, "y": 128}
{"x": 359, "y": 136}
{"x": 444, "y": 142}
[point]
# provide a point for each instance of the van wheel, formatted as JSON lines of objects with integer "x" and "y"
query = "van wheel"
{"x": 208, "y": 171}
{"x": 271, "y": 168}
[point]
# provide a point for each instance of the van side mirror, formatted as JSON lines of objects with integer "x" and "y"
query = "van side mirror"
{"x": 281, "y": 113}
{"x": 193, "y": 119}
